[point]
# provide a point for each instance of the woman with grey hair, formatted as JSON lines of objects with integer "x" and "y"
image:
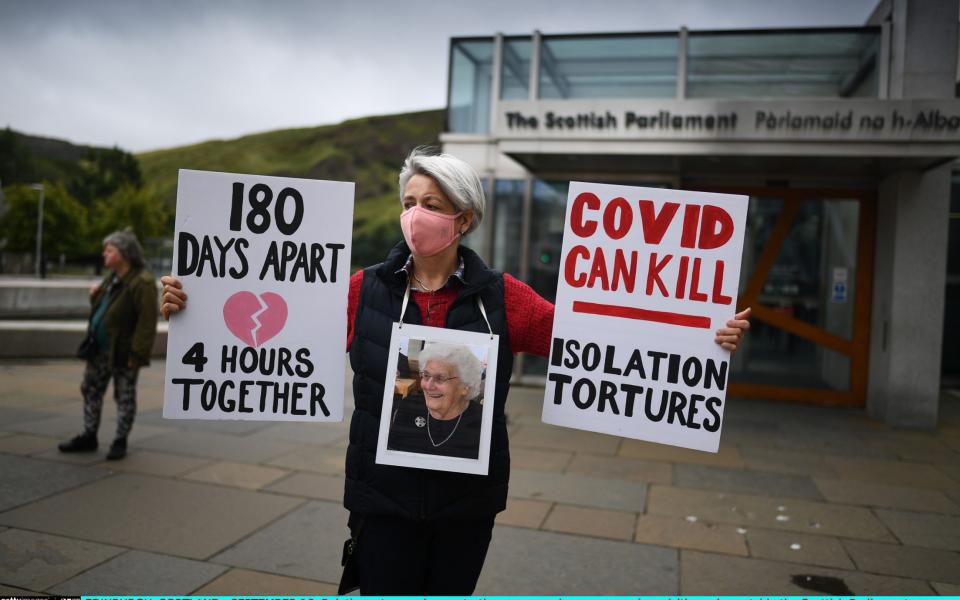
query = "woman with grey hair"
{"x": 121, "y": 331}
{"x": 423, "y": 532}
{"x": 444, "y": 416}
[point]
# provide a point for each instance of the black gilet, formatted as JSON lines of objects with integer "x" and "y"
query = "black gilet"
{"x": 373, "y": 489}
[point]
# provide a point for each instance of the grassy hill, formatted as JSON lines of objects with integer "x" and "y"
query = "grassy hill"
{"x": 368, "y": 151}
{"x": 30, "y": 158}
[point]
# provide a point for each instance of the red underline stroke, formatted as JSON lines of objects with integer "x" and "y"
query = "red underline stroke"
{"x": 641, "y": 314}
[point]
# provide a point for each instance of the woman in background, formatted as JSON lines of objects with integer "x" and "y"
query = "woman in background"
{"x": 124, "y": 325}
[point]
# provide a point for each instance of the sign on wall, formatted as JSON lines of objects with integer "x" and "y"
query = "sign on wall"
{"x": 265, "y": 262}
{"x": 647, "y": 276}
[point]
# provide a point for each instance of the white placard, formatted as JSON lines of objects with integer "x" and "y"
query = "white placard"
{"x": 647, "y": 275}
{"x": 265, "y": 262}
{"x": 405, "y": 437}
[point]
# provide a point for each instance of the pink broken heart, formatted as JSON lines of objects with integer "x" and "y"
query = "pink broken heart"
{"x": 255, "y": 320}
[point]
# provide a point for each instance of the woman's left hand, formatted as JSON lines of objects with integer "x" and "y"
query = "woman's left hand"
{"x": 729, "y": 337}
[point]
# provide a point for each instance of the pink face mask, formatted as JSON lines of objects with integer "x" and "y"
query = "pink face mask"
{"x": 428, "y": 232}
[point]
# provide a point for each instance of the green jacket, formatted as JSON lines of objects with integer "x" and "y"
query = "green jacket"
{"x": 131, "y": 317}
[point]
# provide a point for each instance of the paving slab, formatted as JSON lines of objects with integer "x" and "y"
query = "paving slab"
{"x": 798, "y": 547}
{"x": 933, "y": 452}
{"x": 692, "y": 533}
{"x": 25, "y": 444}
{"x": 705, "y": 574}
{"x": 952, "y": 442}
{"x": 29, "y": 479}
{"x": 13, "y": 416}
{"x": 923, "y": 529}
{"x": 325, "y": 460}
{"x": 786, "y": 461}
{"x": 307, "y": 543}
{"x": 564, "y": 439}
{"x": 745, "y": 481}
{"x": 321, "y": 434}
{"x": 886, "y": 496}
{"x": 147, "y": 513}
{"x": 36, "y": 561}
{"x": 226, "y": 427}
{"x": 728, "y": 456}
{"x": 75, "y": 458}
{"x": 252, "y": 477}
{"x": 524, "y": 513}
{"x": 578, "y": 489}
{"x": 310, "y": 485}
{"x": 243, "y": 582}
{"x": 892, "y": 472}
{"x": 748, "y": 511}
{"x": 593, "y": 522}
{"x": 838, "y": 444}
{"x": 65, "y": 426}
{"x": 136, "y": 573}
{"x": 952, "y": 471}
{"x": 618, "y": 467}
{"x": 160, "y": 464}
{"x": 528, "y": 562}
{"x": 14, "y": 591}
{"x": 534, "y": 459}
{"x": 905, "y": 561}
{"x": 946, "y": 589}
{"x": 218, "y": 445}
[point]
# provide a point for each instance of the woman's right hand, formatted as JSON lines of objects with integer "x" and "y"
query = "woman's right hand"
{"x": 174, "y": 299}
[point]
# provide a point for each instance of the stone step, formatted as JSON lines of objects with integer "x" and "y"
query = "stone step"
{"x": 54, "y": 339}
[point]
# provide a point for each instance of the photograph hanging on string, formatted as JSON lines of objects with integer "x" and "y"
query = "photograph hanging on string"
{"x": 438, "y": 399}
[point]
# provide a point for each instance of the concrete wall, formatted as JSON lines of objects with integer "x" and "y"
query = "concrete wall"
{"x": 55, "y": 339}
{"x": 911, "y": 249}
{"x": 908, "y": 297}
{"x": 47, "y": 318}
{"x": 27, "y": 298}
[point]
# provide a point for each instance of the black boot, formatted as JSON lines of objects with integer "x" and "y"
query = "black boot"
{"x": 85, "y": 442}
{"x": 118, "y": 449}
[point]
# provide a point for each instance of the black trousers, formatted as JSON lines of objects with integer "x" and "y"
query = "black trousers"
{"x": 401, "y": 557}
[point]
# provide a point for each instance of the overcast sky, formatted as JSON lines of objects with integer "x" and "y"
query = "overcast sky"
{"x": 146, "y": 75}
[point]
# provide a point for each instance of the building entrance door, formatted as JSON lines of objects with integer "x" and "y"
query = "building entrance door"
{"x": 807, "y": 273}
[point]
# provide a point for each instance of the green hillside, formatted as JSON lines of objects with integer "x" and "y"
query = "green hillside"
{"x": 368, "y": 151}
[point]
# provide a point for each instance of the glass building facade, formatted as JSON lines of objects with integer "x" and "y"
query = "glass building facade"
{"x": 812, "y": 261}
{"x": 836, "y": 63}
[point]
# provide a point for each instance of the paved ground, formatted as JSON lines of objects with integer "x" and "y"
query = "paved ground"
{"x": 798, "y": 496}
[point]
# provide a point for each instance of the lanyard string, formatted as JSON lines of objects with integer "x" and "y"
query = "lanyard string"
{"x": 406, "y": 301}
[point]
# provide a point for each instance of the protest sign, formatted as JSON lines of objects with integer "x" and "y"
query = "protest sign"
{"x": 647, "y": 275}
{"x": 265, "y": 262}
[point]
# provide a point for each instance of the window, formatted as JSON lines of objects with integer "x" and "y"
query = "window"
{"x": 470, "y": 80}
{"x": 621, "y": 66}
{"x": 783, "y": 64}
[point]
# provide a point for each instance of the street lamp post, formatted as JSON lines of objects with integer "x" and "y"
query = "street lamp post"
{"x": 39, "y": 188}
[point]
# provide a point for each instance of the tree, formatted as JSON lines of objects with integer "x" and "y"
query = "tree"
{"x": 132, "y": 207}
{"x": 16, "y": 162}
{"x": 104, "y": 172}
{"x": 64, "y": 220}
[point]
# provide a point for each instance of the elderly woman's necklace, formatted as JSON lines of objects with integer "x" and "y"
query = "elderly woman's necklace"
{"x": 446, "y": 439}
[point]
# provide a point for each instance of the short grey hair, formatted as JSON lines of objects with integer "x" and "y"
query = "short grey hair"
{"x": 126, "y": 242}
{"x": 458, "y": 180}
{"x": 464, "y": 362}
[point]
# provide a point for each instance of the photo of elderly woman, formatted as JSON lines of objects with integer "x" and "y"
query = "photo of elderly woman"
{"x": 438, "y": 399}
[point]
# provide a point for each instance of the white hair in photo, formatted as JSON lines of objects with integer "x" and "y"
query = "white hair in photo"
{"x": 461, "y": 358}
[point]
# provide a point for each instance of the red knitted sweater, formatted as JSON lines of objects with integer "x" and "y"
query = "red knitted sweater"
{"x": 529, "y": 316}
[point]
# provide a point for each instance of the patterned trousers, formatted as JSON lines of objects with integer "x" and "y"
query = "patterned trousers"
{"x": 95, "y": 379}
